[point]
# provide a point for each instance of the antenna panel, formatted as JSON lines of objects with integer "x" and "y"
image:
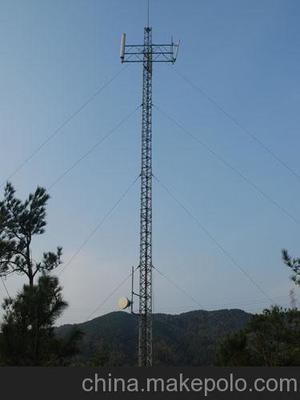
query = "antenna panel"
{"x": 122, "y": 47}
{"x": 176, "y": 51}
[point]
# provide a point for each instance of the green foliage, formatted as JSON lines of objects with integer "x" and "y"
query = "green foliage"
{"x": 108, "y": 340}
{"x": 28, "y": 336}
{"x": 293, "y": 264}
{"x": 269, "y": 339}
{"x": 186, "y": 339}
{"x": 108, "y": 356}
{"x": 19, "y": 222}
{"x": 163, "y": 354}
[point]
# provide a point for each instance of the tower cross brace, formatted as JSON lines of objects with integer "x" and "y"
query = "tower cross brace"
{"x": 147, "y": 54}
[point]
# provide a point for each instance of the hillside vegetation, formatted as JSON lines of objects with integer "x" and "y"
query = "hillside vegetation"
{"x": 186, "y": 339}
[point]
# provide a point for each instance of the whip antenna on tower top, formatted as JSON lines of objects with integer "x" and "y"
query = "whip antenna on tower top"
{"x": 148, "y": 13}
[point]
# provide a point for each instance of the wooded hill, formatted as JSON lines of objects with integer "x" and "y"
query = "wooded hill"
{"x": 186, "y": 339}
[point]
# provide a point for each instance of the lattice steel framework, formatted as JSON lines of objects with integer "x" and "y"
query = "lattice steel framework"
{"x": 146, "y": 54}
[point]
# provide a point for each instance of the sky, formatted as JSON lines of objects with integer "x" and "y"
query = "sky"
{"x": 235, "y": 87}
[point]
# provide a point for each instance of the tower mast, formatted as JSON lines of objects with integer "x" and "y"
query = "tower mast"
{"x": 145, "y": 264}
{"x": 146, "y": 54}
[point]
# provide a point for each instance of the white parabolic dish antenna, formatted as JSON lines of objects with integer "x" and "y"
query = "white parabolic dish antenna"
{"x": 123, "y": 303}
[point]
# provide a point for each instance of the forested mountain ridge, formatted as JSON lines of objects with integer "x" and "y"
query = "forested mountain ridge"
{"x": 185, "y": 339}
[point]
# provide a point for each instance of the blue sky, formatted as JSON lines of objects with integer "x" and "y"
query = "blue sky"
{"x": 245, "y": 55}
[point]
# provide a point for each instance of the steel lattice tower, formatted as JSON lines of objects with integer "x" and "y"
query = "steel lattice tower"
{"x": 147, "y": 54}
{"x": 145, "y": 293}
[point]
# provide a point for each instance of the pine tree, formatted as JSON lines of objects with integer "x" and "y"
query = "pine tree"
{"x": 28, "y": 334}
{"x": 269, "y": 339}
{"x": 293, "y": 264}
{"x": 20, "y": 221}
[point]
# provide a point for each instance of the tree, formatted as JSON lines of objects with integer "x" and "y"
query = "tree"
{"x": 269, "y": 339}
{"x": 293, "y": 264}
{"x": 163, "y": 353}
{"x": 19, "y": 222}
{"x": 108, "y": 356}
{"x": 28, "y": 334}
